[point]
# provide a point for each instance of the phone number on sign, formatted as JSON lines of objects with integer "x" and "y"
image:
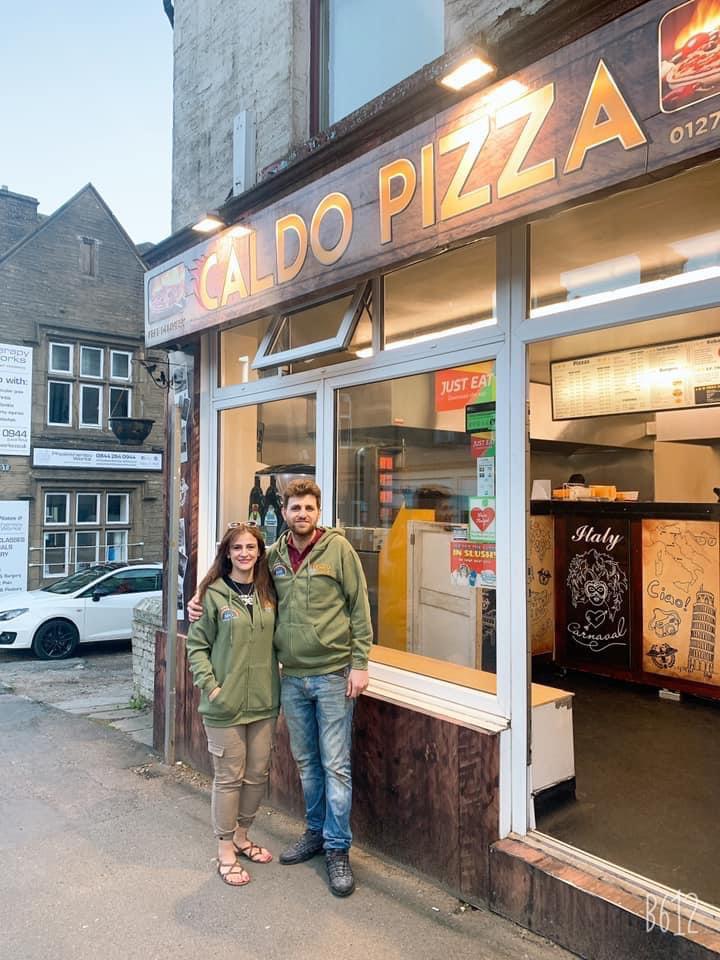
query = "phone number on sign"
{"x": 695, "y": 128}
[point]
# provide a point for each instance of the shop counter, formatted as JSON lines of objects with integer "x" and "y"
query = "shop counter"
{"x": 633, "y": 589}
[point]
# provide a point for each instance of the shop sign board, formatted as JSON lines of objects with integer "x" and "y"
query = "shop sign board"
{"x": 14, "y": 515}
{"x": 595, "y": 584}
{"x": 639, "y": 94}
{"x": 681, "y": 586}
{"x": 666, "y": 376}
{"x": 15, "y": 399}
{"x": 96, "y": 459}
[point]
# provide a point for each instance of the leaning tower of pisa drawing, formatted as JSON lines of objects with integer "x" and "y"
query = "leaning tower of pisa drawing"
{"x": 701, "y": 653}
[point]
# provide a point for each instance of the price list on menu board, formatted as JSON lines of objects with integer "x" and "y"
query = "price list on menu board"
{"x": 669, "y": 376}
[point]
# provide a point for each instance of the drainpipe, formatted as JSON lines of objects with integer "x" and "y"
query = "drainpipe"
{"x": 172, "y": 570}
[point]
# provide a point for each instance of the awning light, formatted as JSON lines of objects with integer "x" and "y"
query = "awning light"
{"x": 471, "y": 70}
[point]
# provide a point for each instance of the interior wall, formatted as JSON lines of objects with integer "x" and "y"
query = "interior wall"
{"x": 625, "y": 469}
{"x": 238, "y": 442}
{"x": 687, "y": 471}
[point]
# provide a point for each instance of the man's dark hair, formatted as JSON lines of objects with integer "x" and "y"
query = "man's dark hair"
{"x": 302, "y": 487}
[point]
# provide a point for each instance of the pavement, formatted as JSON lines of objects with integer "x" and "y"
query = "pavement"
{"x": 106, "y": 851}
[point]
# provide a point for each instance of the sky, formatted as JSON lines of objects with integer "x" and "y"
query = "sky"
{"x": 86, "y": 96}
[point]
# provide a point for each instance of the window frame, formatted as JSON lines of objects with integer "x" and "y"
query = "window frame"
{"x": 54, "y": 533}
{"x": 69, "y": 384}
{"x": 123, "y": 534}
{"x": 85, "y": 533}
{"x": 86, "y": 424}
{"x": 128, "y": 391}
{"x": 87, "y": 347}
{"x": 56, "y": 523}
{"x": 121, "y": 353}
{"x": 87, "y": 523}
{"x": 56, "y": 370}
{"x": 361, "y": 300}
{"x": 117, "y": 523}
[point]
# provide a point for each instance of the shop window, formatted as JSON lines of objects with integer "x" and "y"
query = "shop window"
{"x": 55, "y": 554}
{"x": 57, "y": 508}
{"x": 120, "y": 402}
{"x": 116, "y": 546}
{"x": 318, "y": 331}
{"x": 238, "y": 348}
{"x": 120, "y": 368}
{"x": 118, "y": 507}
{"x": 360, "y": 50}
{"x": 415, "y": 493}
{"x": 262, "y": 448}
{"x": 90, "y": 405}
{"x": 59, "y": 403}
{"x": 87, "y": 508}
{"x": 60, "y": 358}
{"x": 450, "y": 293}
{"x": 670, "y": 235}
{"x": 86, "y": 548}
{"x": 91, "y": 362}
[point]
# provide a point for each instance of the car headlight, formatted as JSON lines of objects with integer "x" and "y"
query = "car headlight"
{"x": 11, "y": 614}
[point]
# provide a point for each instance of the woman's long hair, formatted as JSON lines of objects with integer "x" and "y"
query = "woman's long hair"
{"x": 221, "y": 565}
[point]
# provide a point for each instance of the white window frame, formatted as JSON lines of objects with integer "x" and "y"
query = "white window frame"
{"x": 87, "y": 348}
{"x": 55, "y": 370}
{"x": 61, "y": 423}
{"x": 88, "y": 563}
{"x": 360, "y": 301}
{"x": 50, "y": 533}
{"x": 94, "y": 424}
{"x": 124, "y": 535}
{"x": 87, "y": 523}
{"x": 56, "y": 523}
{"x": 126, "y": 519}
{"x": 121, "y": 353}
{"x": 127, "y": 390}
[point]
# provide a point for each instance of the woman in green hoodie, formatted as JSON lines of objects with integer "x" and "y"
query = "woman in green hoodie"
{"x": 231, "y": 656}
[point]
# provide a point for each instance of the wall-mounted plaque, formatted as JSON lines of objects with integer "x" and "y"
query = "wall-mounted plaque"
{"x": 668, "y": 376}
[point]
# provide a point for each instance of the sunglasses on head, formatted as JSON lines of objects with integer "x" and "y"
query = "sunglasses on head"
{"x": 242, "y": 523}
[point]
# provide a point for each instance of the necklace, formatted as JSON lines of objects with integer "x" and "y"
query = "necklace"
{"x": 244, "y": 590}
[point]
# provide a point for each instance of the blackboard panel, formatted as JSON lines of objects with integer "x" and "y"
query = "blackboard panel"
{"x": 594, "y": 608}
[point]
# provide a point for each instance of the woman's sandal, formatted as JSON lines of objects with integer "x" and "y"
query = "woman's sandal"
{"x": 254, "y": 852}
{"x": 233, "y": 869}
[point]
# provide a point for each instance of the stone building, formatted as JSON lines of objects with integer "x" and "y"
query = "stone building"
{"x": 71, "y": 337}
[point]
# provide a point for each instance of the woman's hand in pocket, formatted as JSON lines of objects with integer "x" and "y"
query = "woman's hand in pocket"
{"x": 214, "y": 693}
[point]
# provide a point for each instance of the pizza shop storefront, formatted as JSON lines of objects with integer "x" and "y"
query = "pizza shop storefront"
{"x": 384, "y": 329}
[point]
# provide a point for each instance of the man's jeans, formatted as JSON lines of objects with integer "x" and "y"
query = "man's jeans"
{"x": 319, "y": 720}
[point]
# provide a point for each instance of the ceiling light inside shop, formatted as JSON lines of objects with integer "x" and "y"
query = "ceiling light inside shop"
{"x": 208, "y": 223}
{"x": 468, "y": 72}
{"x": 667, "y": 283}
{"x": 424, "y": 337}
{"x": 364, "y": 352}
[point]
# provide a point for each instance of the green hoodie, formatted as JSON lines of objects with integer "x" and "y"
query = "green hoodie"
{"x": 230, "y": 649}
{"x": 323, "y": 622}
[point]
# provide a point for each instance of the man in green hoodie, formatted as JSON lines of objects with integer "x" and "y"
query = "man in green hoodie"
{"x": 323, "y": 636}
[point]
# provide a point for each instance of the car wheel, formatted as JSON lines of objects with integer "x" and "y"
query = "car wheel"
{"x": 55, "y": 640}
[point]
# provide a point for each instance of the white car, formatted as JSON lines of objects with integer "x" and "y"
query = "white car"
{"x": 95, "y": 603}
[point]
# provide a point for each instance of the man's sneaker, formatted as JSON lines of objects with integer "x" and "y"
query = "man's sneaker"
{"x": 308, "y": 846}
{"x": 340, "y": 875}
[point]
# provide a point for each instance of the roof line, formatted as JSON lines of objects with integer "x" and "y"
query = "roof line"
{"x": 60, "y": 210}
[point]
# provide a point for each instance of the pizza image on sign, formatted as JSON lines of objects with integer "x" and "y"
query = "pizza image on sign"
{"x": 689, "y": 44}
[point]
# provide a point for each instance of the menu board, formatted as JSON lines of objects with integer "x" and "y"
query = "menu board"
{"x": 668, "y": 376}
